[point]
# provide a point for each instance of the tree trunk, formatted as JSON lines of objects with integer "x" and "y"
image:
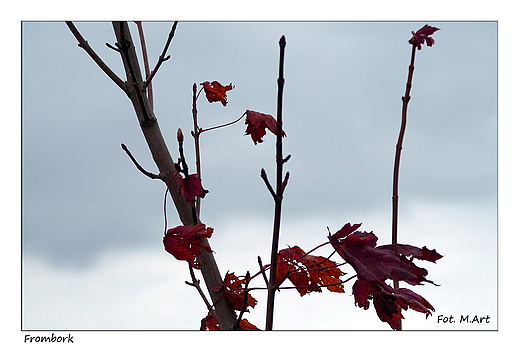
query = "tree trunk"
{"x": 136, "y": 91}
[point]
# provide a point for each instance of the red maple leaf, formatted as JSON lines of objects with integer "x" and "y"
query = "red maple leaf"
{"x": 374, "y": 265}
{"x": 308, "y": 273}
{"x": 183, "y": 242}
{"x": 211, "y": 324}
{"x": 257, "y": 122}
{"x": 387, "y": 305}
{"x": 234, "y": 289}
{"x": 191, "y": 188}
{"x": 245, "y": 325}
{"x": 423, "y": 35}
{"x": 216, "y": 92}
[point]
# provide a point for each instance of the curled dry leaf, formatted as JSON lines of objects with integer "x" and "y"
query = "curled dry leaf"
{"x": 183, "y": 242}
{"x": 308, "y": 273}
{"x": 423, "y": 35}
{"x": 191, "y": 187}
{"x": 257, "y": 122}
{"x": 216, "y": 92}
{"x": 209, "y": 323}
{"x": 234, "y": 289}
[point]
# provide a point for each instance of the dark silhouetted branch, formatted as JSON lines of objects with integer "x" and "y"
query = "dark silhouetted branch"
{"x": 85, "y": 46}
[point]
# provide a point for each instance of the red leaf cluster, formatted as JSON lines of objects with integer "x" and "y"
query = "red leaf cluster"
{"x": 216, "y": 92}
{"x": 183, "y": 242}
{"x": 234, "y": 289}
{"x": 257, "y": 122}
{"x": 308, "y": 273}
{"x": 374, "y": 265}
{"x": 423, "y": 35}
{"x": 209, "y": 323}
{"x": 191, "y": 187}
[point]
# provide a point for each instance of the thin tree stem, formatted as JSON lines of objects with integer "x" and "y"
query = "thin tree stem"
{"x": 399, "y": 147}
{"x": 145, "y": 60}
{"x": 196, "y": 135}
{"x": 279, "y": 193}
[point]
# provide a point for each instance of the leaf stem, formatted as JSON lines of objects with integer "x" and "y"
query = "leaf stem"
{"x": 223, "y": 125}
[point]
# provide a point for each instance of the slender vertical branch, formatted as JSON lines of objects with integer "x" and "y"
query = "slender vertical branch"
{"x": 185, "y": 170}
{"x": 196, "y": 136}
{"x": 145, "y": 61}
{"x": 279, "y": 193}
{"x": 399, "y": 146}
{"x": 244, "y": 302}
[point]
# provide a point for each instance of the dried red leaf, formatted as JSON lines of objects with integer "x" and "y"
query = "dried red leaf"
{"x": 257, "y": 122}
{"x": 388, "y": 305}
{"x": 209, "y": 323}
{"x": 183, "y": 242}
{"x": 387, "y": 309}
{"x": 374, "y": 265}
{"x": 216, "y": 92}
{"x": 245, "y": 325}
{"x": 191, "y": 188}
{"x": 308, "y": 273}
{"x": 234, "y": 289}
{"x": 423, "y": 35}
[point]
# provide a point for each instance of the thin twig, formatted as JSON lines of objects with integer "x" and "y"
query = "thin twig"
{"x": 262, "y": 270}
{"x": 279, "y": 192}
{"x": 141, "y": 169}
{"x": 185, "y": 171}
{"x": 196, "y": 283}
{"x": 161, "y": 57}
{"x": 323, "y": 285}
{"x": 399, "y": 147}
{"x": 196, "y": 136}
{"x": 244, "y": 303}
{"x": 112, "y": 47}
{"x": 85, "y": 46}
{"x": 263, "y": 175}
{"x": 145, "y": 61}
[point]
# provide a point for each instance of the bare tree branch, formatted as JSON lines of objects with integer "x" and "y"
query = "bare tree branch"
{"x": 162, "y": 58}
{"x": 85, "y": 46}
{"x": 136, "y": 92}
{"x": 141, "y": 169}
{"x": 145, "y": 60}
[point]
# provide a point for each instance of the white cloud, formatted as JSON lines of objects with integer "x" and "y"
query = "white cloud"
{"x": 144, "y": 288}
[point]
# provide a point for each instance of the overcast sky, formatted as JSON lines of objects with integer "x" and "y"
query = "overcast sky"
{"x": 92, "y": 224}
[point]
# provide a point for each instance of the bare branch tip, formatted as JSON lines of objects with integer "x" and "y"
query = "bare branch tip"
{"x": 282, "y": 41}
